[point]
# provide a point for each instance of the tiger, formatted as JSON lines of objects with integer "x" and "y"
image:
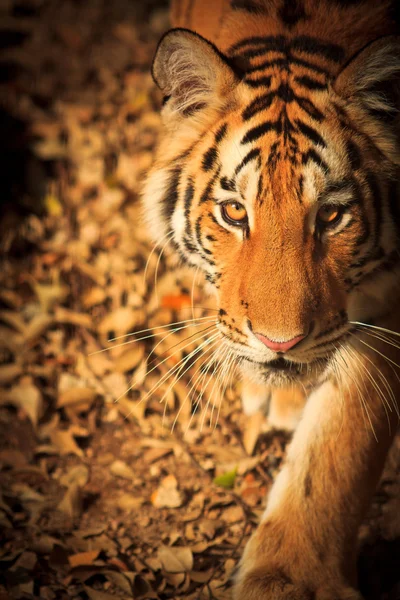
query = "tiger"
{"x": 277, "y": 176}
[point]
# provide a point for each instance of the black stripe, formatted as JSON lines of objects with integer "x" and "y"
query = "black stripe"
{"x": 214, "y": 220}
{"x": 254, "y": 153}
{"x": 209, "y": 159}
{"x": 309, "y": 45}
{"x": 269, "y": 43}
{"x": 199, "y": 241}
{"x": 221, "y": 133}
{"x": 171, "y": 197}
{"x": 227, "y": 184}
{"x": 311, "y": 133}
{"x": 316, "y": 158}
{"x": 260, "y": 82}
{"x": 260, "y": 189}
{"x": 376, "y": 203}
{"x": 260, "y": 130}
{"x": 301, "y": 62}
{"x": 189, "y": 194}
{"x": 310, "y": 108}
{"x": 309, "y": 83}
{"x": 207, "y": 191}
{"x": 276, "y": 62}
{"x": 354, "y": 155}
{"x": 249, "y": 6}
{"x": 365, "y": 234}
{"x": 291, "y": 12}
{"x": 259, "y": 104}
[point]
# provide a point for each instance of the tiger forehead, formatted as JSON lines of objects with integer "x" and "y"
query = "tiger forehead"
{"x": 273, "y": 133}
{"x": 284, "y": 165}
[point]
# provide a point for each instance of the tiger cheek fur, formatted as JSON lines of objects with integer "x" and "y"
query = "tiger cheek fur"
{"x": 278, "y": 177}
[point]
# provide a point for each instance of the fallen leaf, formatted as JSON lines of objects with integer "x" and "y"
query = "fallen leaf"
{"x": 252, "y": 430}
{"x": 64, "y": 439}
{"x": 71, "y": 504}
{"x": 120, "y": 321}
{"x": 26, "y": 396}
{"x": 9, "y": 372}
{"x": 226, "y": 480}
{"x": 12, "y": 458}
{"x": 129, "y": 502}
{"x": 77, "y": 395}
{"x": 167, "y": 494}
{"x": 83, "y": 558}
{"x": 120, "y": 469}
{"x": 78, "y": 474}
{"x": 178, "y": 559}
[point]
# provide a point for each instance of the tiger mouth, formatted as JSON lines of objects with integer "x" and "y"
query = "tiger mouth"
{"x": 282, "y": 364}
{"x": 289, "y": 368}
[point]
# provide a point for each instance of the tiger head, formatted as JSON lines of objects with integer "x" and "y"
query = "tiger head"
{"x": 277, "y": 176}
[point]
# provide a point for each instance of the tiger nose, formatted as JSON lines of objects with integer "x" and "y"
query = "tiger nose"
{"x": 279, "y": 346}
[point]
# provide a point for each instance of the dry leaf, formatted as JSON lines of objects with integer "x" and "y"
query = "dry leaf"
{"x": 129, "y": 502}
{"x": 65, "y": 441}
{"x": 71, "y": 504}
{"x": 12, "y": 458}
{"x": 178, "y": 559}
{"x": 120, "y": 321}
{"x": 26, "y": 396}
{"x": 167, "y": 495}
{"x": 121, "y": 469}
{"x": 83, "y": 558}
{"x": 78, "y": 474}
{"x": 129, "y": 359}
{"x": 252, "y": 430}
{"x": 9, "y": 372}
{"x": 77, "y": 395}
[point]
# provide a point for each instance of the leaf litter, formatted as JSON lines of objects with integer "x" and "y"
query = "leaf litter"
{"x": 114, "y": 480}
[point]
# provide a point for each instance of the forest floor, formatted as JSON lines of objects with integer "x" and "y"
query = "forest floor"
{"x": 111, "y": 484}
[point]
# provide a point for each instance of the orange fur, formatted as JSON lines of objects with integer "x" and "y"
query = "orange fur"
{"x": 283, "y": 108}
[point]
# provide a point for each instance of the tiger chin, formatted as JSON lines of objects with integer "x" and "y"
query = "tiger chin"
{"x": 277, "y": 175}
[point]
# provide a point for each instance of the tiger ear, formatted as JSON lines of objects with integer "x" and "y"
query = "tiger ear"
{"x": 191, "y": 71}
{"x": 373, "y": 76}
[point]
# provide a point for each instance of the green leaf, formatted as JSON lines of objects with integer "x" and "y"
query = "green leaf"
{"x": 226, "y": 480}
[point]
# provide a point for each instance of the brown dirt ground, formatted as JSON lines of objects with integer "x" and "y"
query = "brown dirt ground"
{"x": 98, "y": 498}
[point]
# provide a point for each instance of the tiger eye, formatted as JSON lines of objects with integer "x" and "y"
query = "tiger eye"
{"x": 234, "y": 213}
{"x": 327, "y": 215}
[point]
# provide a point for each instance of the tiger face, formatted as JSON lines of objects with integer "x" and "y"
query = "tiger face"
{"x": 277, "y": 181}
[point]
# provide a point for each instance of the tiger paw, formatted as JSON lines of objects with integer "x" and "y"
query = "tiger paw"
{"x": 260, "y": 584}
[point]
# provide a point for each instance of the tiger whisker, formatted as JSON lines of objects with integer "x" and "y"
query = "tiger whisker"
{"x": 374, "y": 383}
{"x": 184, "y": 359}
{"x": 336, "y": 369}
{"x": 225, "y": 377}
{"x": 194, "y": 383}
{"x": 174, "y": 369}
{"x": 156, "y": 245}
{"x": 156, "y": 271}
{"x": 178, "y": 375}
{"x": 384, "y": 379}
{"x": 377, "y": 351}
{"x": 168, "y": 325}
{"x": 210, "y": 394}
{"x": 379, "y": 336}
{"x": 133, "y": 383}
{"x": 228, "y": 378}
{"x": 363, "y": 404}
{"x": 396, "y": 333}
{"x": 147, "y": 337}
{"x": 202, "y": 379}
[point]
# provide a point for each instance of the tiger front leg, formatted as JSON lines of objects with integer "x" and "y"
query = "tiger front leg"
{"x": 305, "y": 546}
